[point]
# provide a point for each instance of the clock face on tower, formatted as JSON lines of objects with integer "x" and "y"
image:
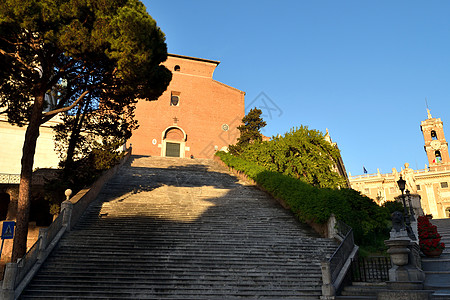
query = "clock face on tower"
{"x": 435, "y": 144}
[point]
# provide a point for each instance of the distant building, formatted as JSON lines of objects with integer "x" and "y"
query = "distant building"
{"x": 429, "y": 187}
{"x": 195, "y": 117}
{"x": 12, "y": 138}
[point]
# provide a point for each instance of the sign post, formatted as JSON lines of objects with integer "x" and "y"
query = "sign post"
{"x": 7, "y": 233}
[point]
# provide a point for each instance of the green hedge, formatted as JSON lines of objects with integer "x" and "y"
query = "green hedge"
{"x": 369, "y": 221}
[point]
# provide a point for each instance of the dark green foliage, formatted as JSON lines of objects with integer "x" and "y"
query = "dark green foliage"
{"x": 369, "y": 221}
{"x": 82, "y": 173}
{"x": 249, "y": 131}
{"x": 58, "y": 55}
{"x": 113, "y": 49}
{"x": 392, "y": 206}
{"x": 301, "y": 153}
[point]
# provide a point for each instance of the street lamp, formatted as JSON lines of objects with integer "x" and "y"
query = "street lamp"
{"x": 401, "y": 185}
{"x": 411, "y": 210}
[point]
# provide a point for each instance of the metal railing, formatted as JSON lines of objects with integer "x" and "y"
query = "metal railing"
{"x": 342, "y": 253}
{"x": 371, "y": 269}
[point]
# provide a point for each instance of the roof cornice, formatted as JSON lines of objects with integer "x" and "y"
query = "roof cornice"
{"x": 216, "y": 62}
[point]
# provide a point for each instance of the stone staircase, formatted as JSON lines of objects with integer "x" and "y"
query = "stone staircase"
{"x": 166, "y": 228}
{"x": 361, "y": 291}
{"x": 437, "y": 270}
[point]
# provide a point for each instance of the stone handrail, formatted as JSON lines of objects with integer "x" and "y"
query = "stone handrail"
{"x": 18, "y": 274}
{"x": 78, "y": 203}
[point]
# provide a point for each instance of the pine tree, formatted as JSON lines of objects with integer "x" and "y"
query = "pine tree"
{"x": 72, "y": 50}
{"x": 249, "y": 130}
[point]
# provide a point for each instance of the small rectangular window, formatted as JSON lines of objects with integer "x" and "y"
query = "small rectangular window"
{"x": 367, "y": 191}
{"x": 175, "y": 99}
{"x": 444, "y": 185}
{"x": 418, "y": 187}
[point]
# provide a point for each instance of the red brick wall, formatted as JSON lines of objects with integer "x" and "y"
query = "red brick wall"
{"x": 204, "y": 106}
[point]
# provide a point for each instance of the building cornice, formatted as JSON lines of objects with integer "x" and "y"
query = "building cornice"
{"x": 216, "y": 62}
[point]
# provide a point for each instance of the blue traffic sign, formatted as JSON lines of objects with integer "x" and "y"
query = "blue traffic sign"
{"x": 8, "y": 230}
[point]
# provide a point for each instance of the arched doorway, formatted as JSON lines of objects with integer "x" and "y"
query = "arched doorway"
{"x": 4, "y": 203}
{"x": 173, "y": 142}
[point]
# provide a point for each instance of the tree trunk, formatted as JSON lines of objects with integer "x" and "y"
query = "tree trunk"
{"x": 74, "y": 137}
{"x": 23, "y": 207}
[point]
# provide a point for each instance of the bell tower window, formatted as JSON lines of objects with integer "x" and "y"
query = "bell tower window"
{"x": 433, "y": 135}
{"x": 438, "y": 157}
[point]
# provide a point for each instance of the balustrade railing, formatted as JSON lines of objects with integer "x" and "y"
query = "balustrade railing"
{"x": 27, "y": 262}
{"x": 9, "y": 178}
{"x": 54, "y": 228}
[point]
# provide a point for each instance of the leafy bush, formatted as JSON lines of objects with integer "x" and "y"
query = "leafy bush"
{"x": 301, "y": 153}
{"x": 309, "y": 203}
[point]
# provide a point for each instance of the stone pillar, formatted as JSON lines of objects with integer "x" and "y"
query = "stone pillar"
{"x": 9, "y": 281}
{"x": 328, "y": 290}
{"x": 43, "y": 242}
{"x": 331, "y": 227}
{"x": 66, "y": 208}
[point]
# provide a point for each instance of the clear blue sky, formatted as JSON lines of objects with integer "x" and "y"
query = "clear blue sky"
{"x": 362, "y": 69}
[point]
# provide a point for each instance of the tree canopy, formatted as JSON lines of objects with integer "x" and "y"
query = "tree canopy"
{"x": 71, "y": 52}
{"x": 301, "y": 153}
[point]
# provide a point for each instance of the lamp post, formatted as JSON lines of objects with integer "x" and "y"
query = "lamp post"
{"x": 401, "y": 185}
{"x": 411, "y": 210}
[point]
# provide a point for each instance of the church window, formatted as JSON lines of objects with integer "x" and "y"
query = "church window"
{"x": 433, "y": 135}
{"x": 175, "y": 99}
{"x": 177, "y": 68}
{"x": 444, "y": 185}
{"x": 438, "y": 158}
{"x": 418, "y": 187}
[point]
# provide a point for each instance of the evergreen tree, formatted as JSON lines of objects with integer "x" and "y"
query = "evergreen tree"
{"x": 70, "y": 51}
{"x": 249, "y": 130}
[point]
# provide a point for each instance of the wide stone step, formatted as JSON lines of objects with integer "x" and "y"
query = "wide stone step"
{"x": 179, "y": 229}
{"x": 263, "y": 286}
{"x": 164, "y": 278}
{"x": 361, "y": 290}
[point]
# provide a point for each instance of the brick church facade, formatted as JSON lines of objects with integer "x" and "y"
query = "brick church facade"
{"x": 195, "y": 117}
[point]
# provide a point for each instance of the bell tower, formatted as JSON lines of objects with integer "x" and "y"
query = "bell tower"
{"x": 436, "y": 146}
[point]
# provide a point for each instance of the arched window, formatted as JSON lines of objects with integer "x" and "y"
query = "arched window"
{"x": 438, "y": 158}
{"x": 433, "y": 135}
{"x": 177, "y": 68}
